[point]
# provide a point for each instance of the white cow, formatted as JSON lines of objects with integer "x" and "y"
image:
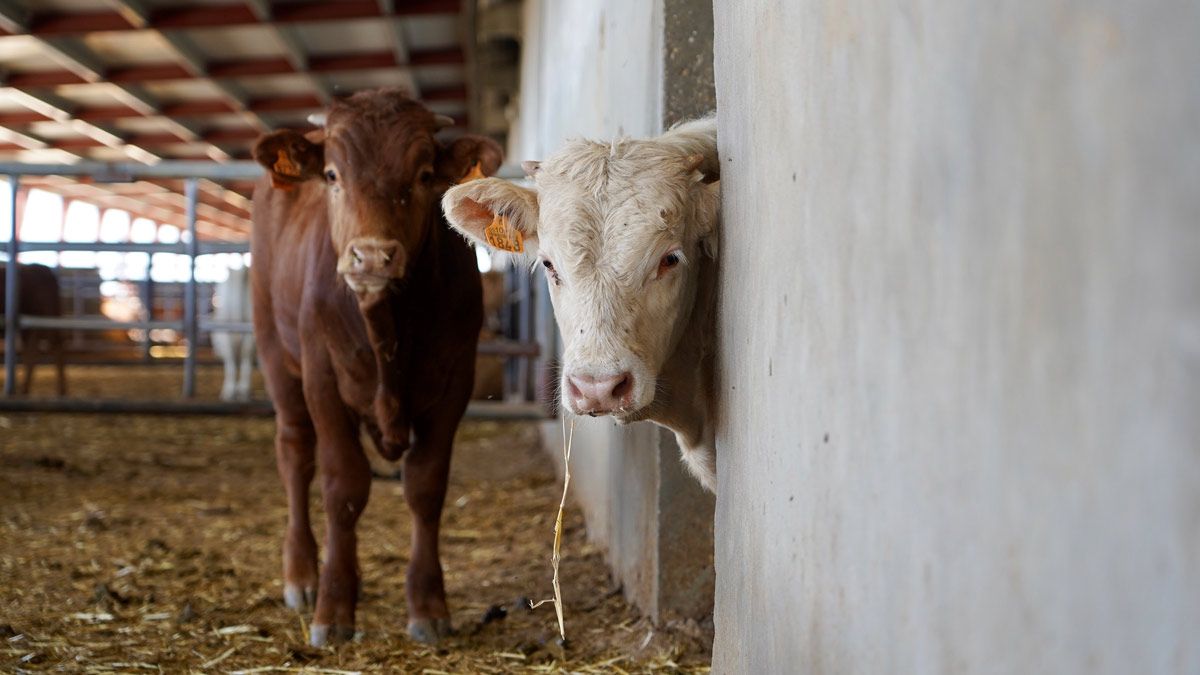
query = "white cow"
{"x": 232, "y": 304}
{"x": 627, "y": 235}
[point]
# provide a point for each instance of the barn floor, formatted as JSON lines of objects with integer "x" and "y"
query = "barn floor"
{"x": 136, "y": 543}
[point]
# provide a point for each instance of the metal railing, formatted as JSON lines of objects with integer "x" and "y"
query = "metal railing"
{"x": 520, "y": 392}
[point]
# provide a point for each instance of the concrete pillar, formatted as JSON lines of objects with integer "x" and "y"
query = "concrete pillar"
{"x": 960, "y": 337}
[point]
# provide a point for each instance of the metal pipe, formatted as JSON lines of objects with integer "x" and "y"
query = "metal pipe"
{"x": 498, "y": 347}
{"x": 11, "y": 292}
{"x": 134, "y": 247}
{"x": 130, "y": 172}
{"x": 189, "y": 294}
{"x": 94, "y": 323}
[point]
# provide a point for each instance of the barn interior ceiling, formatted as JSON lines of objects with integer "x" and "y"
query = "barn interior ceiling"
{"x": 153, "y": 80}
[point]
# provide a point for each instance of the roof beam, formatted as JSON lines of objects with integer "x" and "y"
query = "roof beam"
{"x": 59, "y": 110}
{"x": 95, "y": 136}
{"x": 15, "y": 19}
{"x": 81, "y": 61}
{"x": 399, "y": 45}
{"x": 133, "y": 11}
{"x": 138, "y": 207}
{"x": 298, "y": 59}
{"x": 208, "y": 107}
{"x": 22, "y": 140}
{"x": 191, "y": 59}
{"x": 159, "y": 72}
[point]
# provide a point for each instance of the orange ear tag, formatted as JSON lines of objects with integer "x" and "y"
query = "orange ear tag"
{"x": 475, "y": 173}
{"x": 502, "y": 237}
{"x": 284, "y": 165}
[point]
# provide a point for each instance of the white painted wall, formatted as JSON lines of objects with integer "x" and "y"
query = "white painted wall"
{"x": 961, "y": 337}
{"x": 590, "y": 68}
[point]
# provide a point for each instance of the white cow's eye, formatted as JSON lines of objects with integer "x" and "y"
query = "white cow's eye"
{"x": 550, "y": 271}
{"x": 669, "y": 262}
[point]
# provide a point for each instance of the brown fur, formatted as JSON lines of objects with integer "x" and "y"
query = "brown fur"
{"x": 398, "y": 360}
{"x": 38, "y": 288}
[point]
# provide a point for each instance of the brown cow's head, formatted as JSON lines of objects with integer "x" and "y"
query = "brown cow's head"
{"x": 383, "y": 173}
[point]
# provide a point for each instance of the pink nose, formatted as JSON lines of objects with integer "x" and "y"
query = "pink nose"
{"x": 600, "y": 394}
{"x": 374, "y": 257}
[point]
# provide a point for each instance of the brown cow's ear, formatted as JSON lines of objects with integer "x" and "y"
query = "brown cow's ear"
{"x": 494, "y": 212}
{"x": 457, "y": 159}
{"x": 289, "y": 158}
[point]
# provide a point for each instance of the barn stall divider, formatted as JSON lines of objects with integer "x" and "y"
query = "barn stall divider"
{"x": 519, "y": 319}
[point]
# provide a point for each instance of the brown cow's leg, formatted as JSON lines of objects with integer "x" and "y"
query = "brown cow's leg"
{"x": 426, "y": 469}
{"x": 345, "y": 487}
{"x": 295, "y": 458}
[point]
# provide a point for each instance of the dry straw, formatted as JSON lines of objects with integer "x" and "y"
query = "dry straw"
{"x": 556, "y": 557}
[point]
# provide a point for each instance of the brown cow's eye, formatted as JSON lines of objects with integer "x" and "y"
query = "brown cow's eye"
{"x": 330, "y": 176}
{"x": 426, "y": 176}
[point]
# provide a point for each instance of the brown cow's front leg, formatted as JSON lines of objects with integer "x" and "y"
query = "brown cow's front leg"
{"x": 345, "y": 487}
{"x": 294, "y": 456}
{"x": 426, "y": 470}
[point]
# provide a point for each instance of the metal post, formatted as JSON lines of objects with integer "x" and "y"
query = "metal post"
{"x": 189, "y": 293}
{"x": 11, "y": 292}
{"x": 148, "y": 304}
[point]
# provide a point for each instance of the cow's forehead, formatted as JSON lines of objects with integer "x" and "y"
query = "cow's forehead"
{"x": 621, "y": 190}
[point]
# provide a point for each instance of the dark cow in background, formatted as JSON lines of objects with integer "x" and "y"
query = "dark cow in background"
{"x": 38, "y": 295}
{"x": 366, "y": 313}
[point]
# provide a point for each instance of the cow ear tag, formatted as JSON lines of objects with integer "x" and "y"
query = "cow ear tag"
{"x": 475, "y": 173}
{"x": 285, "y": 166}
{"x": 502, "y": 237}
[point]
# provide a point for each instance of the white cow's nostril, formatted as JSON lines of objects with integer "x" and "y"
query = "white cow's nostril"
{"x": 600, "y": 394}
{"x": 357, "y": 255}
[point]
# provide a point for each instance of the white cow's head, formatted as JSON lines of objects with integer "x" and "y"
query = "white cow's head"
{"x": 619, "y": 229}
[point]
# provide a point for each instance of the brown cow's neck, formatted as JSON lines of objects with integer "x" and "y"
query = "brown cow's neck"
{"x": 388, "y": 317}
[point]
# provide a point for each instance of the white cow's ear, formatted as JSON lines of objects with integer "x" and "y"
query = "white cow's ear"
{"x": 494, "y": 212}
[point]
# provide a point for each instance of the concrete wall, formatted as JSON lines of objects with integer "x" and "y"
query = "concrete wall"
{"x": 600, "y": 69}
{"x": 961, "y": 337}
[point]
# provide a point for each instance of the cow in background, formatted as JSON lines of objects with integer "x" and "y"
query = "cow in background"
{"x": 367, "y": 310}
{"x": 233, "y": 305}
{"x": 38, "y": 295}
{"x": 626, "y": 232}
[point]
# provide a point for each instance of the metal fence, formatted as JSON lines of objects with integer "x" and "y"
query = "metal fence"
{"x": 521, "y": 392}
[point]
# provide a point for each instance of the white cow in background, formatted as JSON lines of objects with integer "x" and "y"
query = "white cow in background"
{"x": 232, "y": 305}
{"x": 627, "y": 235}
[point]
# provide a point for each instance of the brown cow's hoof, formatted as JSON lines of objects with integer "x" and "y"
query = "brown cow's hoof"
{"x": 320, "y": 635}
{"x": 429, "y": 631}
{"x": 299, "y": 599}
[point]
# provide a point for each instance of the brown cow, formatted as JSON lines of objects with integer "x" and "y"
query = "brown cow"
{"x": 366, "y": 312}
{"x": 37, "y": 296}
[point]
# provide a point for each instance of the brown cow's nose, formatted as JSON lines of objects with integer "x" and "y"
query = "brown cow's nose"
{"x": 600, "y": 394}
{"x": 368, "y": 263}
